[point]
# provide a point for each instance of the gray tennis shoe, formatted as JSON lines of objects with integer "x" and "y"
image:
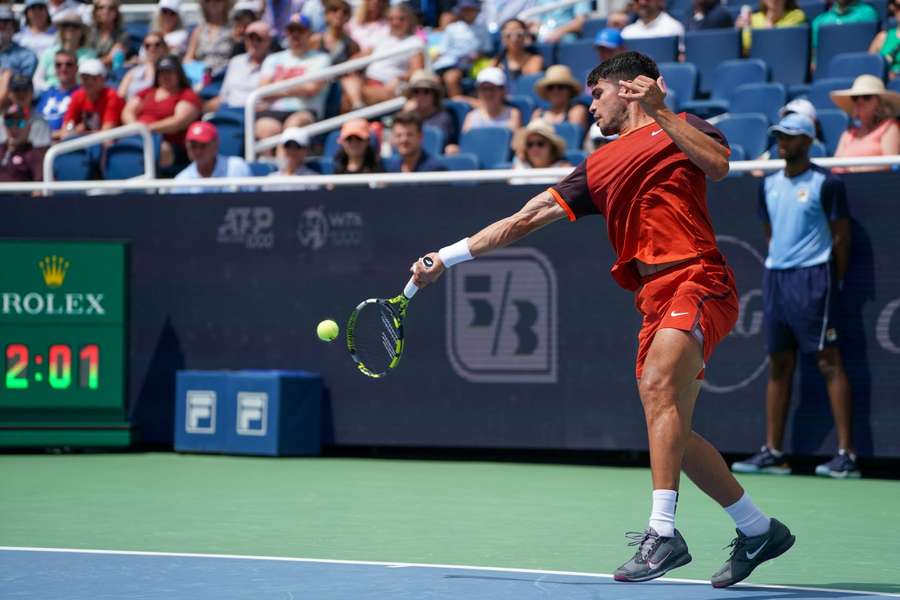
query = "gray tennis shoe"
{"x": 747, "y": 553}
{"x": 655, "y": 556}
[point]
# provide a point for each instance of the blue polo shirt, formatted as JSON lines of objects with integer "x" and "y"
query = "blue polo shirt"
{"x": 21, "y": 61}
{"x": 799, "y": 210}
{"x": 226, "y": 166}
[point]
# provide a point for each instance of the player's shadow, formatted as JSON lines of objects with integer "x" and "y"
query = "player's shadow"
{"x": 812, "y": 422}
{"x": 154, "y": 411}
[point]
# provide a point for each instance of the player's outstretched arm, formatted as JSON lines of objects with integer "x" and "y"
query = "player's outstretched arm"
{"x": 537, "y": 212}
{"x": 701, "y": 149}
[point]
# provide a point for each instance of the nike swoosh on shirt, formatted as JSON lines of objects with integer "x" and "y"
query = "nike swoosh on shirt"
{"x": 658, "y": 131}
{"x": 752, "y": 555}
{"x": 678, "y": 314}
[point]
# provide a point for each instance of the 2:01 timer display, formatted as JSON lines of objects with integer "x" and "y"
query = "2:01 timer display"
{"x": 57, "y": 366}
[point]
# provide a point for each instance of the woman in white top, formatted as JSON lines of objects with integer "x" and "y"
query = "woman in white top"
{"x": 384, "y": 78}
{"x": 492, "y": 110}
{"x": 369, "y": 25}
{"x": 37, "y": 35}
{"x": 167, "y": 20}
{"x": 141, "y": 77}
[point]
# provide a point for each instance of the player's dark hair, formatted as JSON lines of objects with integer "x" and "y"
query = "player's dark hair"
{"x": 627, "y": 66}
{"x": 408, "y": 118}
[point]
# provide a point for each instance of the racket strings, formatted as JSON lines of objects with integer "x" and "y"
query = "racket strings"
{"x": 376, "y": 337}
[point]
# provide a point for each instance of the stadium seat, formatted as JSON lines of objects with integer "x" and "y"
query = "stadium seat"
{"x": 571, "y": 134}
{"x": 737, "y": 153}
{"x": 766, "y": 98}
{"x": 680, "y": 78}
{"x": 524, "y": 85}
{"x": 854, "y": 64}
{"x": 841, "y": 39}
{"x": 894, "y": 84}
{"x": 73, "y": 166}
{"x": 749, "y": 130}
{"x": 123, "y": 162}
{"x": 811, "y": 8}
{"x": 834, "y": 122}
{"x": 490, "y": 144}
{"x": 231, "y": 133}
{"x": 579, "y": 56}
{"x": 881, "y": 7}
{"x": 819, "y": 90}
{"x": 136, "y": 141}
{"x": 547, "y": 51}
{"x": 660, "y": 49}
{"x": 333, "y": 100}
{"x": 261, "y": 169}
{"x": 591, "y": 27}
{"x": 727, "y": 76}
{"x": 433, "y": 140}
{"x": 324, "y": 165}
{"x": 575, "y": 157}
{"x": 525, "y": 104}
{"x": 460, "y": 162}
{"x": 706, "y": 49}
{"x": 458, "y": 110}
{"x": 785, "y": 50}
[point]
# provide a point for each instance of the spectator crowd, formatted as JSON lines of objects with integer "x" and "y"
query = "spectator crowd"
{"x": 70, "y": 69}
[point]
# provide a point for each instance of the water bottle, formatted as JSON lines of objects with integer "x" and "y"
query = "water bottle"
{"x": 118, "y": 59}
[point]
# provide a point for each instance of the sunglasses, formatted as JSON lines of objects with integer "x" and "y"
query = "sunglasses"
{"x": 64, "y": 65}
{"x": 254, "y": 37}
{"x": 536, "y": 144}
{"x": 151, "y": 45}
{"x": 70, "y": 26}
{"x": 168, "y": 12}
{"x": 863, "y": 98}
{"x": 422, "y": 92}
{"x": 293, "y": 146}
{"x": 353, "y": 138}
{"x": 105, "y": 7}
{"x": 17, "y": 123}
{"x": 556, "y": 86}
{"x": 513, "y": 35}
{"x": 196, "y": 144}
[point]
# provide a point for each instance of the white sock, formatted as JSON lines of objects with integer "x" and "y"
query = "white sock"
{"x": 662, "y": 516}
{"x": 747, "y": 517}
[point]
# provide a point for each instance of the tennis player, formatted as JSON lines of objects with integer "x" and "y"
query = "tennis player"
{"x": 650, "y": 185}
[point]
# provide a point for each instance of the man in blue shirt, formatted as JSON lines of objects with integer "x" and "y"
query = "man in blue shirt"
{"x": 14, "y": 59}
{"x": 804, "y": 209}
{"x": 202, "y": 141}
{"x": 54, "y": 101}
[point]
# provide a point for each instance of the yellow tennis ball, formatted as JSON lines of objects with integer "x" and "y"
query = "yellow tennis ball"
{"x": 327, "y": 330}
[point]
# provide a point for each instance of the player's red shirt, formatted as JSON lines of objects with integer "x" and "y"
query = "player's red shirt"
{"x": 652, "y": 196}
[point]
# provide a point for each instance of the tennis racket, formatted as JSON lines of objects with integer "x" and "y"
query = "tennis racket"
{"x": 375, "y": 330}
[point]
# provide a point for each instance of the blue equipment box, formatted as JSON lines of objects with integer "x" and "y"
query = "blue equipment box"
{"x": 270, "y": 413}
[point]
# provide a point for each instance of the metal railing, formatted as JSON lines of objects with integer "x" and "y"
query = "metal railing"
{"x": 98, "y": 138}
{"x": 536, "y": 11}
{"x": 409, "y": 46}
{"x": 379, "y": 179}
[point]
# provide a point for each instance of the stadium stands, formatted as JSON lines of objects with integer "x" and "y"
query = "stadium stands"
{"x": 785, "y": 50}
{"x": 491, "y": 145}
{"x": 727, "y": 76}
{"x": 766, "y": 98}
{"x": 748, "y": 130}
{"x": 706, "y": 49}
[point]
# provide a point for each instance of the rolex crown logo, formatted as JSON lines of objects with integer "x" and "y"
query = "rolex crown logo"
{"x": 54, "y": 270}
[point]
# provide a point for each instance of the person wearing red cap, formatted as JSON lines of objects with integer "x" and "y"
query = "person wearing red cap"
{"x": 202, "y": 141}
{"x": 19, "y": 160}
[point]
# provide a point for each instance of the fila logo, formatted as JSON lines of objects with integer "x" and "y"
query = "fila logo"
{"x": 200, "y": 416}
{"x": 252, "y": 409}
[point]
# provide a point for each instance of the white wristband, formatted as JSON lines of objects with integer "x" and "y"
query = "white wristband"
{"x": 457, "y": 253}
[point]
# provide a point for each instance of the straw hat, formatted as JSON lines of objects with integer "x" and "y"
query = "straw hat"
{"x": 424, "y": 79}
{"x": 542, "y": 129}
{"x": 866, "y": 85}
{"x": 557, "y": 75}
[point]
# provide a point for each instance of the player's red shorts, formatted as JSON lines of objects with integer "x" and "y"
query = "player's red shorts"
{"x": 700, "y": 292}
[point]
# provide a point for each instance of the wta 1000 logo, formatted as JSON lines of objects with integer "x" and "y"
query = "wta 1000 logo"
{"x": 502, "y": 318}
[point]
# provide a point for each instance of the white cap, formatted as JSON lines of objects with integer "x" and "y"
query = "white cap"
{"x": 91, "y": 66}
{"x": 492, "y": 75}
{"x": 173, "y": 5}
{"x": 800, "y": 106}
{"x": 250, "y": 5}
{"x": 295, "y": 134}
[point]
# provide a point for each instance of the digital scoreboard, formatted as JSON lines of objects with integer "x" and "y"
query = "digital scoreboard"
{"x": 62, "y": 337}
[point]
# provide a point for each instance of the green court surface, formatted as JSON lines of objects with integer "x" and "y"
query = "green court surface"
{"x": 567, "y": 518}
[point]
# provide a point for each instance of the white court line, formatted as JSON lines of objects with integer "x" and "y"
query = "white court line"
{"x": 396, "y": 565}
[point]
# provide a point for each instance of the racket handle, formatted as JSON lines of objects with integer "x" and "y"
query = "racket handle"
{"x": 410, "y": 290}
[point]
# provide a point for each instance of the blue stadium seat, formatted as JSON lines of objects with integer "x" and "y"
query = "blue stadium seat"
{"x": 811, "y": 8}
{"x": 333, "y": 100}
{"x": 524, "y": 85}
{"x": 894, "y": 84}
{"x": 660, "y": 49}
{"x": 433, "y": 140}
{"x": 231, "y": 133}
{"x": 123, "y": 162}
{"x": 575, "y": 157}
{"x": 579, "y": 56}
{"x": 548, "y": 51}
{"x": 749, "y": 130}
{"x": 880, "y": 7}
{"x": 136, "y": 141}
{"x": 137, "y": 31}
{"x": 490, "y": 144}
{"x": 766, "y": 98}
{"x": 706, "y": 49}
{"x": 73, "y": 166}
{"x": 570, "y": 133}
{"x": 591, "y": 27}
{"x": 458, "y": 110}
{"x": 737, "y": 153}
{"x": 727, "y": 76}
{"x": 324, "y": 165}
{"x": 854, "y": 64}
{"x": 261, "y": 169}
{"x": 834, "y": 122}
{"x": 785, "y": 50}
{"x": 525, "y": 104}
{"x": 680, "y": 78}
{"x": 840, "y": 39}
{"x": 460, "y": 162}
{"x": 819, "y": 90}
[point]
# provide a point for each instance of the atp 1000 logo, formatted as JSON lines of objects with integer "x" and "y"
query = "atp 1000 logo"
{"x": 502, "y": 318}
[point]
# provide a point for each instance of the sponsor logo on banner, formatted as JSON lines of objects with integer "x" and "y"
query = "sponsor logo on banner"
{"x": 248, "y": 226}
{"x": 883, "y": 327}
{"x": 53, "y": 270}
{"x": 744, "y": 349}
{"x": 320, "y": 228}
{"x": 200, "y": 413}
{"x": 502, "y": 318}
{"x": 252, "y": 412}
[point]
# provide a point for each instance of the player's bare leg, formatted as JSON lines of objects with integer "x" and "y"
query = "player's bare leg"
{"x": 832, "y": 368}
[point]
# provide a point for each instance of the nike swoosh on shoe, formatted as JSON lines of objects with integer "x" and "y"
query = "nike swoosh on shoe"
{"x": 752, "y": 555}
